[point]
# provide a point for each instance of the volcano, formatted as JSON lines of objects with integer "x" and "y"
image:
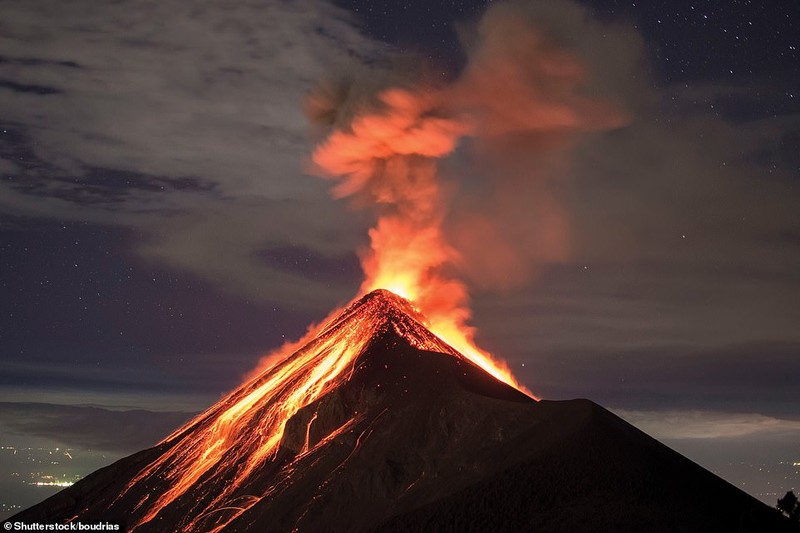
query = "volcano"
{"x": 379, "y": 425}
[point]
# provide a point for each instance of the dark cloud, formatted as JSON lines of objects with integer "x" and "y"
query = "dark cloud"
{"x": 27, "y": 88}
{"x": 788, "y": 237}
{"x": 32, "y": 61}
{"x": 89, "y": 427}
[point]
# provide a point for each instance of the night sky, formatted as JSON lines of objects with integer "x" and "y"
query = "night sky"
{"x": 160, "y": 229}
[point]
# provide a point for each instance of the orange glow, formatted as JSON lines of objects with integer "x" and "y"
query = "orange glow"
{"x": 244, "y": 431}
{"x": 387, "y": 159}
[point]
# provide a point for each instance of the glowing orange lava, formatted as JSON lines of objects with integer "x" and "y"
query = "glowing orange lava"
{"x": 243, "y": 432}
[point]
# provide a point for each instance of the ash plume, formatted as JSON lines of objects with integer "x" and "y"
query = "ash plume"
{"x": 510, "y": 118}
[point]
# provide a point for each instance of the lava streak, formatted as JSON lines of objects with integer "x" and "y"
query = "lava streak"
{"x": 243, "y": 432}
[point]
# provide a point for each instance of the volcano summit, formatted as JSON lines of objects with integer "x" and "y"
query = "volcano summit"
{"x": 379, "y": 425}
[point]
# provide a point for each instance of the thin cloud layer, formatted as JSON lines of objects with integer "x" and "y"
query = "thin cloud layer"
{"x": 88, "y": 427}
{"x": 706, "y": 424}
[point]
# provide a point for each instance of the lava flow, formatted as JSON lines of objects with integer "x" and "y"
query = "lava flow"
{"x": 242, "y": 432}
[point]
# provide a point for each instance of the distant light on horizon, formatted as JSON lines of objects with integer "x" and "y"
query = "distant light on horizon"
{"x": 53, "y": 483}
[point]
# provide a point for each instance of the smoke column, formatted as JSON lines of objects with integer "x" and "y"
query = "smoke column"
{"x": 519, "y": 101}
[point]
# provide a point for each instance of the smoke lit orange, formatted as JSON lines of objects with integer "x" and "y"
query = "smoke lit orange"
{"x": 387, "y": 159}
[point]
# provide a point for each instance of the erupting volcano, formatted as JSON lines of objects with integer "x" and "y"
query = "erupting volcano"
{"x": 282, "y": 420}
{"x": 377, "y": 424}
{"x": 387, "y": 416}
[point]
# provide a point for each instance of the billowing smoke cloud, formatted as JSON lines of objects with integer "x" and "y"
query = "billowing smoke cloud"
{"x": 518, "y": 107}
{"x": 526, "y": 87}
